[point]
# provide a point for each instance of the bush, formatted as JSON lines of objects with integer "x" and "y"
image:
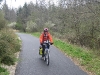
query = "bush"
{"x": 5, "y": 53}
{"x": 11, "y": 38}
{"x": 18, "y": 26}
{"x": 4, "y": 47}
{"x": 9, "y": 44}
{"x": 8, "y": 60}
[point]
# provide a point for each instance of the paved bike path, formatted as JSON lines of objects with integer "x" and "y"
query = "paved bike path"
{"x": 30, "y": 62}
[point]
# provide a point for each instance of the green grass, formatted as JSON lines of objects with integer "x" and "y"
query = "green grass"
{"x": 86, "y": 57}
{"x": 3, "y": 71}
{"x": 72, "y": 50}
{"x": 36, "y": 34}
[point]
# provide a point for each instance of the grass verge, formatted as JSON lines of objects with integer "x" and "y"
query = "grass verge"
{"x": 36, "y": 34}
{"x": 86, "y": 58}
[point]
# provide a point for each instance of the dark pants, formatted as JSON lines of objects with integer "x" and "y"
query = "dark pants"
{"x": 43, "y": 46}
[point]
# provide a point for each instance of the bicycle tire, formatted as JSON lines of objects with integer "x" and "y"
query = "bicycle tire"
{"x": 47, "y": 60}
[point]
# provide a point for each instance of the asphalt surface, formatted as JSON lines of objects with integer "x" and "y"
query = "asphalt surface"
{"x": 30, "y": 62}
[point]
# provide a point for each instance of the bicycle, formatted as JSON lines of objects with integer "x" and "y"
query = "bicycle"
{"x": 47, "y": 52}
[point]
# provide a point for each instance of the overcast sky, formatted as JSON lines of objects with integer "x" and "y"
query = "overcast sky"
{"x": 17, "y": 3}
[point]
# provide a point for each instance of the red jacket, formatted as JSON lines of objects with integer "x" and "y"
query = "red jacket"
{"x": 44, "y": 37}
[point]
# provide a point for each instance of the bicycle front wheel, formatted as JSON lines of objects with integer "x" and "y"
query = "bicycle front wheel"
{"x": 47, "y": 60}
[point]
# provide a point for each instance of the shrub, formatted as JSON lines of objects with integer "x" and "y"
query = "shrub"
{"x": 4, "y": 48}
{"x": 8, "y": 60}
{"x": 5, "y": 53}
{"x": 9, "y": 44}
{"x": 10, "y": 37}
{"x": 18, "y": 26}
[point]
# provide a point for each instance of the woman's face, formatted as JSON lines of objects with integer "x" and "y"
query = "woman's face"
{"x": 45, "y": 32}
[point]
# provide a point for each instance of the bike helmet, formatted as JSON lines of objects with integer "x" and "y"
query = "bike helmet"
{"x": 45, "y": 29}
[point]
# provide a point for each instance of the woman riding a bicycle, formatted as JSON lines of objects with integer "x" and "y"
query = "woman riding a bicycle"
{"x": 44, "y": 37}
